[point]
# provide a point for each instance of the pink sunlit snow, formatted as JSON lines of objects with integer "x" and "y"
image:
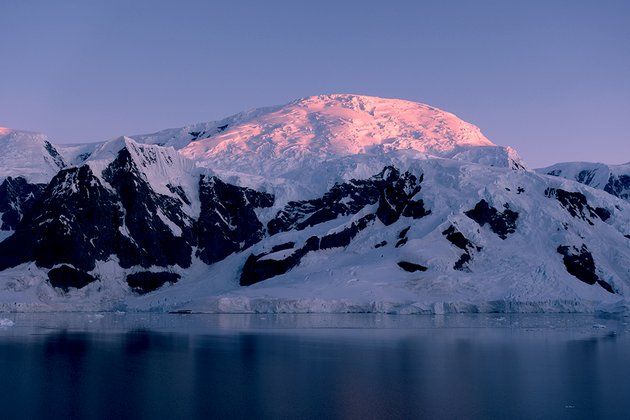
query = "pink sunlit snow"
{"x": 326, "y": 126}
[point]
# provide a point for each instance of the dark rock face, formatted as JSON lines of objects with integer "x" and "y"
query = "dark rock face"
{"x": 402, "y": 237}
{"x": 66, "y": 277}
{"x": 462, "y": 263}
{"x": 575, "y": 203}
{"x": 196, "y": 135}
{"x": 344, "y": 237}
{"x": 54, "y": 154}
{"x": 16, "y": 198}
{"x": 148, "y": 281}
{"x": 74, "y": 221}
{"x": 393, "y": 192}
{"x": 457, "y": 238}
{"x": 460, "y": 241}
{"x": 501, "y": 223}
{"x": 395, "y": 198}
{"x": 586, "y": 176}
{"x": 155, "y": 242}
{"x": 619, "y": 186}
{"x": 83, "y": 157}
{"x": 77, "y": 220}
{"x": 602, "y": 213}
{"x": 227, "y": 222}
{"x": 580, "y": 264}
{"x": 176, "y": 189}
{"x": 257, "y": 268}
{"x": 401, "y": 242}
{"x": 411, "y": 267}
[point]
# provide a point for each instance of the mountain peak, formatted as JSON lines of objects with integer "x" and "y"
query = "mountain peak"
{"x": 11, "y": 133}
{"x": 357, "y": 102}
{"x": 349, "y": 100}
{"x": 319, "y": 128}
{"x": 28, "y": 154}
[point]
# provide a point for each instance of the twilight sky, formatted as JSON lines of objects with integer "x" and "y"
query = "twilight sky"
{"x": 550, "y": 78}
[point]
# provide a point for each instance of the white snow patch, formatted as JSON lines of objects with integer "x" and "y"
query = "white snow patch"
{"x": 279, "y": 255}
{"x": 177, "y": 231}
{"x": 6, "y": 323}
{"x": 4, "y": 234}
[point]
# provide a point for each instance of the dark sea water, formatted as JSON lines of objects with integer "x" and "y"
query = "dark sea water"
{"x": 131, "y": 366}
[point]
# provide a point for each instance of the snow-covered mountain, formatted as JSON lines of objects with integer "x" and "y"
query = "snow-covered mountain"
{"x": 332, "y": 203}
{"x": 29, "y": 155}
{"x": 614, "y": 179}
{"x": 284, "y": 140}
{"x": 305, "y": 142}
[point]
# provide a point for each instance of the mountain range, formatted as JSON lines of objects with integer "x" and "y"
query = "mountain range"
{"x": 332, "y": 203}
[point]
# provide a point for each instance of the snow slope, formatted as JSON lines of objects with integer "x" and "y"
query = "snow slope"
{"x": 519, "y": 270}
{"x": 327, "y": 126}
{"x": 522, "y": 273}
{"x": 295, "y": 141}
{"x": 28, "y": 154}
{"x": 614, "y": 179}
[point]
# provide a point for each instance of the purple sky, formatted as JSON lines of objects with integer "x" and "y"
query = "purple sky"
{"x": 550, "y": 78}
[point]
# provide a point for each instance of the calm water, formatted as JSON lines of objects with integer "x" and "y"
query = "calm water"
{"x": 117, "y": 366}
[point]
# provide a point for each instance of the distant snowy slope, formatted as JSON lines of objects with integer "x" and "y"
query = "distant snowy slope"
{"x": 29, "y": 155}
{"x": 76, "y": 154}
{"x": 614, "y": 179}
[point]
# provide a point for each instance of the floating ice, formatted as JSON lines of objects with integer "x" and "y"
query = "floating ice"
{"x": 6, "y": 323}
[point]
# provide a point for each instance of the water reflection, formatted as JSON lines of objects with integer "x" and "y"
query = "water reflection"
{"x": 473, "y": 372}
